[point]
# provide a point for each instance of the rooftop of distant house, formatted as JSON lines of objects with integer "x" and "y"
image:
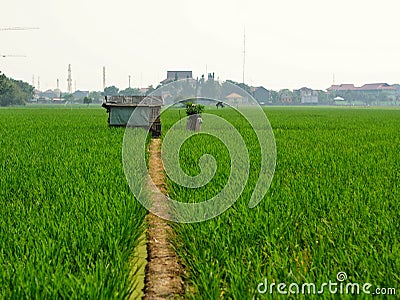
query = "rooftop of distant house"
{"x": 365, "y": 87}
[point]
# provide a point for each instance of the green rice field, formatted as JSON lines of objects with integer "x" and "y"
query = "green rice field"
{"x": 69, "y": 223}
{"x": 333, "y": 206}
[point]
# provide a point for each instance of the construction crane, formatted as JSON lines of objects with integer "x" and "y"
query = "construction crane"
{"x": 11, "y": 55}
{"x": 17, "y": 28}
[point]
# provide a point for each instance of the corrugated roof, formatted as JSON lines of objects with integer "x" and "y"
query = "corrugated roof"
{"x": 376, "y": 86}
{"x": 342, "y": 87}
{"x": 365, "y": 87}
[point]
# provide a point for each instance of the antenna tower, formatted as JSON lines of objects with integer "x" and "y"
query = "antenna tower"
{"x": 69, "y": 80}
{"x": 104, "y": 78}
{"x": 58, "y": 88}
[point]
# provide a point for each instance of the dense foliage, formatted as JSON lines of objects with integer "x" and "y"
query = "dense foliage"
{"x": 114, "y": 91}
{"x": 14, "y": 92}
{"x": 193, "y": 109}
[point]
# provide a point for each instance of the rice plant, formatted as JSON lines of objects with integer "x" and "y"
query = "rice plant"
{"x": 68, "y": 222}
{"x": 333, "y": 206}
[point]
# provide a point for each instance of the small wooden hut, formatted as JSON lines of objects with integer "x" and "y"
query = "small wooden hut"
{"x": 147, "y": 112}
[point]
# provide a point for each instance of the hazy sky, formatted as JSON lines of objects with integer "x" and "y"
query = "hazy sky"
{"x": 289, "y": 43}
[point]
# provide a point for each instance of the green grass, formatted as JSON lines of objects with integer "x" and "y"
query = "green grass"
{"x": 333, "y": 205}
{"x": 68, "y": 221}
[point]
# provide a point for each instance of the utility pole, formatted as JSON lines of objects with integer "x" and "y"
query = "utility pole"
{"x": 58, "y": 88}
{"x": 244, "y": 52}
{"x": 129, "y": 78}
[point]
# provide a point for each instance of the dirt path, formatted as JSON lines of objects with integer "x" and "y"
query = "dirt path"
{"x": 163, "y": 272}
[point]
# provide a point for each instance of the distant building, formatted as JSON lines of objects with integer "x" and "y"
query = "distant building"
{"x": 143, "y": 91}
{"x": 48, "y": 95}
{"x": 177, "y": 75}
{"x": 397, "y": 87}
{"x": 376, "y": 87}
{"x": 307, "y": 95}
{"x": 371, "y": 92}
{"x": 80, "y": 94}
{"x": 365, "y": 88}
{"x": 261, "y": 94}
{"x": 286, "y": 98}
{"x": 342, "y": 87}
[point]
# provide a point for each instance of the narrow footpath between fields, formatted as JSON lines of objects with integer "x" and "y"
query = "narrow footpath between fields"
{"x": 163, "y": 272}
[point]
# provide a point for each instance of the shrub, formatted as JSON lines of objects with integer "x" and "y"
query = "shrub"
{"x": 194, "y": 109}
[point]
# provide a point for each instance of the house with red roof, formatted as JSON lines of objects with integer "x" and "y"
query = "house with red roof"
{"x": 368, "y": 93}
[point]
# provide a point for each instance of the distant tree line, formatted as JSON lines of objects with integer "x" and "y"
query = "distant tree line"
{"x": 98, "y": 96}
{"x": 14, "y": 92}
{"x": 368, "y": 97}
{"x": 285, "y": 95}
{"x": 114, "y": 91}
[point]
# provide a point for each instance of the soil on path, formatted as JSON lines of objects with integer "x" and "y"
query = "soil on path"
{"x": 163, "y": 272}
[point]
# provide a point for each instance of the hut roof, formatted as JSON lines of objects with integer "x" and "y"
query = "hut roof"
{"x": 233, "y": 96}
{"x": 134, "y": 101}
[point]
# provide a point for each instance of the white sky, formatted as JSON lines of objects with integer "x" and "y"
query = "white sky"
{"x": 289, "y": 43}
